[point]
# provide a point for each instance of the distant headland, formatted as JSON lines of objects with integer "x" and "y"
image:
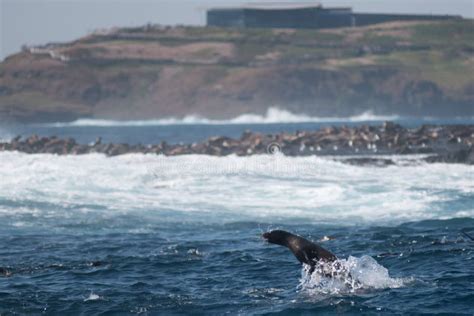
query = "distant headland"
{"x": 409, "y": 68}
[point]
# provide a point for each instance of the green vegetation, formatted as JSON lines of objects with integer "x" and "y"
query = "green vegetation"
{"x": 447, "y": 34}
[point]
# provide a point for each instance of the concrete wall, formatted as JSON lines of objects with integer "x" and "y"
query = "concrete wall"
{"x": 330, "y": 20}
{"x": 312, "y": 18}
{"x": 226, "y": 17}
{"x": 296, "y": 18}
{"x": 362, "y": 19}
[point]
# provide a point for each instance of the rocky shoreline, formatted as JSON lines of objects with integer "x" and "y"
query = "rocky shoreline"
{"x": 440, "y": 143}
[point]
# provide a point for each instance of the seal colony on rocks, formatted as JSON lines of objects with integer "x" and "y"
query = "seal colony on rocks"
{"x": 443, "y": 143}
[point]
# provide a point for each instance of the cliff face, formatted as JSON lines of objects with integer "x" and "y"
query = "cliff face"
{"x": 409, "y": 68}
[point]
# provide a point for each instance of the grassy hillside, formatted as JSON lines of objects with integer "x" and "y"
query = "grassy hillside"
{"x": 410, "y": 68}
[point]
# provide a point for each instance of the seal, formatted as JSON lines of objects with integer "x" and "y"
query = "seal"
{"x": 5, "y": 272}
{"x": 304, "y": 250}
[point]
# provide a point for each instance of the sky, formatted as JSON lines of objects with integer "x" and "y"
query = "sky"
{"x": 34, "y": 22}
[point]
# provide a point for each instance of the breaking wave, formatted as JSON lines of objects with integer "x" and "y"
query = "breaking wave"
{"x": 272, "y": 116}
{"x": 314, "y": 189}
{"x": 5, "y": 135}
{"x": 348, "y": 276}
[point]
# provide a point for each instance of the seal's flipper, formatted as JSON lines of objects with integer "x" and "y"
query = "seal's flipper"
{"x": 304, "y": 250}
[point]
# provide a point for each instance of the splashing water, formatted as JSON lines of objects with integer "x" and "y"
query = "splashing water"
{"x": 347, "y": 276}
{"x": 309, "y": 188}
{"x": 92, "y": 297}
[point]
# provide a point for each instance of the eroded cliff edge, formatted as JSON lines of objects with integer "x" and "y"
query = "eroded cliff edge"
{"x": 406, "y": 68}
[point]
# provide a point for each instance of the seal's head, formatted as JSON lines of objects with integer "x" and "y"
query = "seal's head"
{"x": 279, "y": 237}
{"x": 5, "y": 272}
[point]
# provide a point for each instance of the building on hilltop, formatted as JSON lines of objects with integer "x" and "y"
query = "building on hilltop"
{"x": 311, "y": 17}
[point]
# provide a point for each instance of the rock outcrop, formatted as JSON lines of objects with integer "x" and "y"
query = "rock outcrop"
{"x": 450, "y": 144}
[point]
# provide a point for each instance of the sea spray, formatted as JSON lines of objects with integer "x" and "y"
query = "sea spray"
{"x": 272, "y": 116}
{"x": 348, "y": 276}
{"x": 256, "y": 187}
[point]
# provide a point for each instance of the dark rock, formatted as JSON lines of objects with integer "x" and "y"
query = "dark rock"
{"x": 32, "y": 139}
{"x": 179, "y": 150}
{"x": 246, "y": 135}
{"x": 369, "y": 161}
{"x": 450, "y": 143}
{"x": 54, "y": 143}
{"x": 465, "y": 156}
{"x": 79, "y": 150}
{"x": 405, "y": 150}
{"x": 221, "y": 141}
{"x": 391, "y": 127}
{"x": 424, "y": 150}
{"x": 118, "y": 149}
{"x": 98, "y": 141}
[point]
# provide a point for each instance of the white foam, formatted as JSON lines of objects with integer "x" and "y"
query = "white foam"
{"x": 272, "y": 116}
{"x": 92, "y": 297}
{"x": 348, "y": 276}
{"x": 258, "y": 187}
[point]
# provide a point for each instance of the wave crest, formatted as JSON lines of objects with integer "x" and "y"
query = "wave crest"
{"x": 272, "y": 116}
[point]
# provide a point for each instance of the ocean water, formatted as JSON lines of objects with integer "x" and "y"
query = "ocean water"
{"x": 153, "y": 235}
{"x": 197, "y": 129}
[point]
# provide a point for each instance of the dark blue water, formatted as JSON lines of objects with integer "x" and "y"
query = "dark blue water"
{"x": 215, "y": 269}
{"x": 192, "y": 132}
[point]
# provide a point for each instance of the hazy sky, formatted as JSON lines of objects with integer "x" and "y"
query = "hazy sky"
{"x": 41, "y": 21}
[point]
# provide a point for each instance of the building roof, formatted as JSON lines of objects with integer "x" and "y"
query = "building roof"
{"x": 282, "y": 6}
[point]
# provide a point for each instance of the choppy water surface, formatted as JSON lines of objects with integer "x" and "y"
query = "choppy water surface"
{"x": 192, "y": 129}
{"x": 145, "y": 234}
